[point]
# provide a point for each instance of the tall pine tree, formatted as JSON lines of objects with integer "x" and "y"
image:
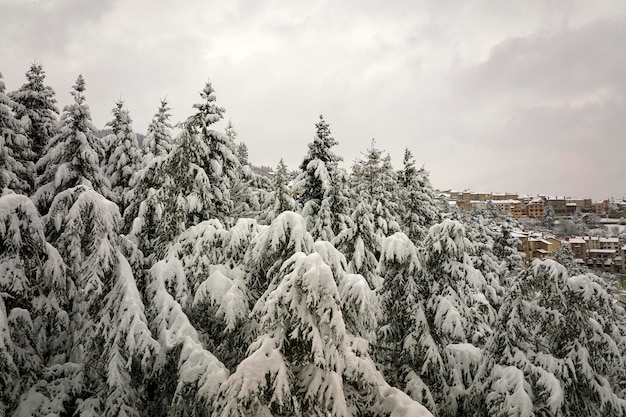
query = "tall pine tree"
{"x": 158, "y": 140}
{"x": 37, "y": 111}
{"x": 125, "y": 159}
{"x": 71, "y": 157}
{"x": 318, "y": 186}
{"x": 418, "y": 206}
{"x": 16, "y": 169}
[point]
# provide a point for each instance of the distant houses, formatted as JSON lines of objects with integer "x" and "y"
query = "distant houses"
{"x": 597, "y": 253}
{"x": 519, "y": 206}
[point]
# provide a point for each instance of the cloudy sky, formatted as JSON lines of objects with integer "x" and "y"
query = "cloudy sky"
{"x": 519, "y": 96}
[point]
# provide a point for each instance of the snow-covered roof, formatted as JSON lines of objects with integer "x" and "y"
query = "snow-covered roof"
{"x": 540, "y": 240}
{"x": 505, "y": 201}
{"x": 602, "y": 250}
{"x": 609, "y": 240}
{"x": 576, "y": 240}
{"x": 541, "y": 251}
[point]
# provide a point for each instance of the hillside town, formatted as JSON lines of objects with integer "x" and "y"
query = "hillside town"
{"x": 596, "y": 232}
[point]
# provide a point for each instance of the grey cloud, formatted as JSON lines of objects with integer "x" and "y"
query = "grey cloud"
{"x": 563, "y": 65}
{"x": 423, "y": 74}
{"x": 44, "y": 27}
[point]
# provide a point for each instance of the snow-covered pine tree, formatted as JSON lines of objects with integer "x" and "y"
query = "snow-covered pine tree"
{"x": 374, "y": 180}
{"x": 492, "y": 255}
{"x": 317, "y": 187}
{"x": 37, "y": 111}
{"x": 158, "y": 141}
{"x": 565, "y": 256}
{"x": 242, "y": 149}
{"x": 249, "y": 191}
{"x": 71, "y": 157}
{"x": 417, "y": 200}
{"x": 34, "y": 298}
{"x": 285, "y": 236}
{"x": 16, "y": 167}
{"x": 220, "y": 164}
{"x": 549, "y": 217}
{"x": 280, "y": 198}
{"x": 360, "y": 244}
{"x": 305, "y": 365}
{"x": 187, "y": 377}
{"x": 403, "y": 331}
{"x": 171, "y": 194}
{"x": 112, "y": 343}
{"x": 124, "y": 160}
{"x": 506, "y": 245}
{"x": 458, "y": 314}
{"x": 579, "y": 223}
{"x": 176, "y": 191}
{"x": 555, "y": 349}
{"x": 210, "y": 259}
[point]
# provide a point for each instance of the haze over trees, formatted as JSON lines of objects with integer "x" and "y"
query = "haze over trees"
{"x": 171, "y": 279}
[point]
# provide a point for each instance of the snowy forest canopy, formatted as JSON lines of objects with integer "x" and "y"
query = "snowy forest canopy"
{"x": 170, "y": 279}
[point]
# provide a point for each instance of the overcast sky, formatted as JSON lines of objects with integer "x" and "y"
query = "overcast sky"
{"x": 518, "y": 96}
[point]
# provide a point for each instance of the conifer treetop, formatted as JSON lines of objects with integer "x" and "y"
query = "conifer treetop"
{"x": 208, "y": 111}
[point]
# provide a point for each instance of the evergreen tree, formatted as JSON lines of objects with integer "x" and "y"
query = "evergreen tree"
{"x": 374, "y": 180}
{"x": 16, "y": 169}
{"x": 71, "y": 158}
{"x": 318, "y": 187}
{"x": 220, "y": 164}
{"x": 457, "y": 313}
{"x": 360, "y": 244}
{"x": 125, "y": 159}
{"x": 305, "y": 366}
{"x": 112, "y": 343}
{"x": 506, "y": 245}
{"x": 555, "y": 349}
{"x": 280, "y": 198}
{"x": 190, "y": 185}
{"x": 549, "y": 217}
{"x": 188, "y": 377}
{"x": 34, "y": 296}
{"x": 249, "y": 191}
{"x": 158, "y": 141}
{"x": 37, "y": 111}
{"x": 211, "y": 259}
{"x": 285, "y": 236}
{"x": 171, "y": 194}
{"x": 579, "y": 223}
{"x": 483, "y": 233}
{"x": 565, "y": 256}
{"x": 418, "y": 207}
{"x": 404, "y": 332}
{"x": 242, "y": 149}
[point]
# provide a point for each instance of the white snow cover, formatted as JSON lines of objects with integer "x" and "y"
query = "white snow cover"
{"x": 399, "y": 248}
{"x": 228, "y": 295}
{"x": 510, "y": 392}
{"x": 197, "y": 367}
{"x": 308, "y": 295}
{"x": 263, "y": 370}
{"x": 360, "y": 305}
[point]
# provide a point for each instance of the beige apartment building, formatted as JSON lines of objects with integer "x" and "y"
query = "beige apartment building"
{"x": 519, "y": 206}
{"x": 535, "y": 208}
{"x": 604, "y": 254}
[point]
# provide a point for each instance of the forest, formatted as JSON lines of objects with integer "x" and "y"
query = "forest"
{"x": 171, "y": 279}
